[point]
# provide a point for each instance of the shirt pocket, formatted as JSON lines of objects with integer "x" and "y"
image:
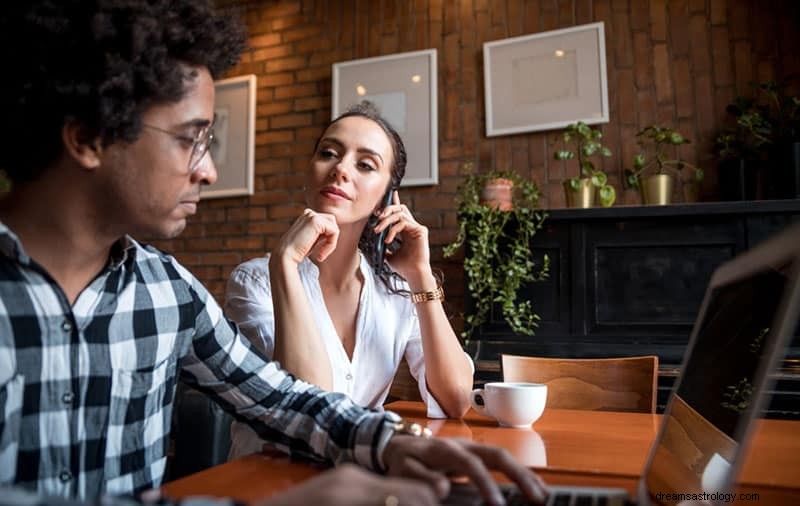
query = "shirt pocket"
{"x": 10, "y": 422}
{"x": 139, "y": 418}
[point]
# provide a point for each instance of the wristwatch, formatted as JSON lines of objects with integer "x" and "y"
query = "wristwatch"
{"x": 398, "y": 426}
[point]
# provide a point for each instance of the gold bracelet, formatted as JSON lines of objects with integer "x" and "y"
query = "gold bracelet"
{"x": 428, "y": 296}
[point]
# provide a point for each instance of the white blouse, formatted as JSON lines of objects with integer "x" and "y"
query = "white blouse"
{"x": 386, "y": 330}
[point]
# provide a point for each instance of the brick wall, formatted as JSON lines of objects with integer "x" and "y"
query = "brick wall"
{"x": 676, "y": 62}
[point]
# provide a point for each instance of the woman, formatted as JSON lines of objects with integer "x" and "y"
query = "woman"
{"x": 325, "y": 306}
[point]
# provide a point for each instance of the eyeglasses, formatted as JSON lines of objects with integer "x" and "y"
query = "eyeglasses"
{"x": 200, "y": 143}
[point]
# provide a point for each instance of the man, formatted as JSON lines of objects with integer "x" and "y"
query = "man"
{"x": 109, "y": 110}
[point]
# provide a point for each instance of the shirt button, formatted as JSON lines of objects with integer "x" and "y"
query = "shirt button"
{"x": 67, "y": 397}
{"x": 66, "y": 326}
{"x": 65, "y": 475}
{"x": 349, "y": 377}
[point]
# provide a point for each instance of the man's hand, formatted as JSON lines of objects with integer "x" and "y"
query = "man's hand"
{"x": 434, "y": 460}
{"x": 350, "y": 485}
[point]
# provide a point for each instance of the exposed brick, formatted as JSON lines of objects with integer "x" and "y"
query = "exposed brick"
{"x": 285, "y": 22}
{"x": 626, "y": 94}
{"x": 285, "y": 211}
{"x": 282, "y": 64}
{"x": 305, "y": 104}
{"x": 622, "y": 41}
{"x": 718, "y": 12}
{"x": 268, "y": 39}
{"x": 669, "y": 62}
{"x": 739, "y": 22}
{"x": 643, "y": 59}
{"x": 640, "y": 16}
{"x": 658, "y": 20}
{"x": 677, "y": 11}
{"x": 272, "y": 52}
{"x": 272, "y": 108}
{"x": 646, "y": 108}
{"x": 530, "y": 18}
{"x": 697, "y": 6}
{"x": 684, "y": 97}
{"x": 564, "y": 10}
{"x": 275, "y": 136}
{"x": 300, "y": 33}
{"x": 721, "y": 56}
{"x": 314, "y": 74}
{"x": 298, "y": 90}
{"x": 743, "y": 65}
{"x": 275, "y": 79}
{"x": 280, "y": 9}
{"x": 700, "y": 54}
{"x": 663, "y": 79}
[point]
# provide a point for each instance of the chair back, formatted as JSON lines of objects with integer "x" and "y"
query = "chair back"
{"x": 404, "y": 386}
{"x": 594, "y": 384}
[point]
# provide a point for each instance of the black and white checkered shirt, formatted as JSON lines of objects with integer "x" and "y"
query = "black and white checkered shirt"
{"x": 86, "y": 391}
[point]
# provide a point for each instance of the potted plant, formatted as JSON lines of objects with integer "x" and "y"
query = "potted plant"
{"x": 583, "y": 142}
{"x": 743, "y": 151}
{"x": 498, "y": 258}
{"x": 759, "y": 155}
{"x": 653, "y": 172}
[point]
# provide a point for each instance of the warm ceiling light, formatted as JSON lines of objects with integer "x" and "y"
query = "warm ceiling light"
{"x": 361, "y": 90}
{"x": 559, "y": 53}
{"x": 416, "y": 78}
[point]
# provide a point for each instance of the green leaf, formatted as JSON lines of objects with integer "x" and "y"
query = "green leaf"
{"x": 676, "y": 138}
{"x": 606, "y": 152}
{"x": 564, "y": 155}
{"x": 599, "y": 179}
{"x": 607, "y": 195}
{"x": 638, "y": 161}
{"x": 575, "y": 184}
{"x": 631, "y": 178}
{"x": 699, "y": 175}
{"x": 587, "y": 168}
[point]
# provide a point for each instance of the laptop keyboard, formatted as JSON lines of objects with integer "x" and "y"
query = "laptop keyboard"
{"x": 467, "y": 494}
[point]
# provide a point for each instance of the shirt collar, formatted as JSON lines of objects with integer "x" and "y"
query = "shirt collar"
{"x": 122, "y": 251}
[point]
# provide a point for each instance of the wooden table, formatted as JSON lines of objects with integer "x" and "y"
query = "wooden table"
{"x": 566, "y": 447}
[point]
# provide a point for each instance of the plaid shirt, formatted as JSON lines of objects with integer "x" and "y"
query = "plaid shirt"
{"x": 86, "y": 391}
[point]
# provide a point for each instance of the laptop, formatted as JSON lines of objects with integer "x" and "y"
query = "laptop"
{"x": 748, "y": 317}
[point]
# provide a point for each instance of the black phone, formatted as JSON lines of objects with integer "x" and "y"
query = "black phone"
{"x": 380, "y": 247}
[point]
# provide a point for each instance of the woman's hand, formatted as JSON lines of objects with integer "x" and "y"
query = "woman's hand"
{"x": 312, "y": 233}
{"x": 413, "y": 259}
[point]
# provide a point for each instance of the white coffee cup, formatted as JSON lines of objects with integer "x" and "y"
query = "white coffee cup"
{"x": 511, "y": 404}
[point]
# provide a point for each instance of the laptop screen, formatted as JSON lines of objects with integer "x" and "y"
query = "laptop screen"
{"x": 708, "y": 416}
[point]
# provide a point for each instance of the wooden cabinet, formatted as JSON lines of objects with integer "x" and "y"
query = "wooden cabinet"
{"x": 629, "y": 280}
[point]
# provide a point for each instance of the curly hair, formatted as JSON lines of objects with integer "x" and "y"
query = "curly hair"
{"x": 101, "y": 63}
{"x": 368, "y": 241}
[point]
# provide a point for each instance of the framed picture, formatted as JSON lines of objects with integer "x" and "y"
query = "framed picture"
{"x": 403, "y": 87}
{"x": 546, "y": 80}
{"x": 234, "y": 137}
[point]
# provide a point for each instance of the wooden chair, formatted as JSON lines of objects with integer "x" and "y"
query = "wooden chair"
{"x": 404, "y": 386}
{"x": 604, "y": 384}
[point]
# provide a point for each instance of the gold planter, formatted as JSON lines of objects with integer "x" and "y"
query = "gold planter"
{"x": 657, "y": 190}
{"x": 583, "y": 197}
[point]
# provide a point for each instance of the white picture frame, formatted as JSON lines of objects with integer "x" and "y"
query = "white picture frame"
{"x": 546, "y": 80}
{"x": 403, "y": 86}
{"x": 233, "y": 147}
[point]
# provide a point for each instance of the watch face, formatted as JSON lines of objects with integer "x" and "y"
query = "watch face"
{"x": 412, "y": 429}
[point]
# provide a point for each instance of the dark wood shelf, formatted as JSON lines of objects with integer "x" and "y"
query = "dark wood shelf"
{"x": 629, "y": 280}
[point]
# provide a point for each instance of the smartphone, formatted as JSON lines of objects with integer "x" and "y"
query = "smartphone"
{"x": 380, "y": 247}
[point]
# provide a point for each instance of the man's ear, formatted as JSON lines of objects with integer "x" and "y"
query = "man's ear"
{"x": 85, "y": 150}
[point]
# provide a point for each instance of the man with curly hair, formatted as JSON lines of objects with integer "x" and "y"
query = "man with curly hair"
{"x": 108, "y": 116}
